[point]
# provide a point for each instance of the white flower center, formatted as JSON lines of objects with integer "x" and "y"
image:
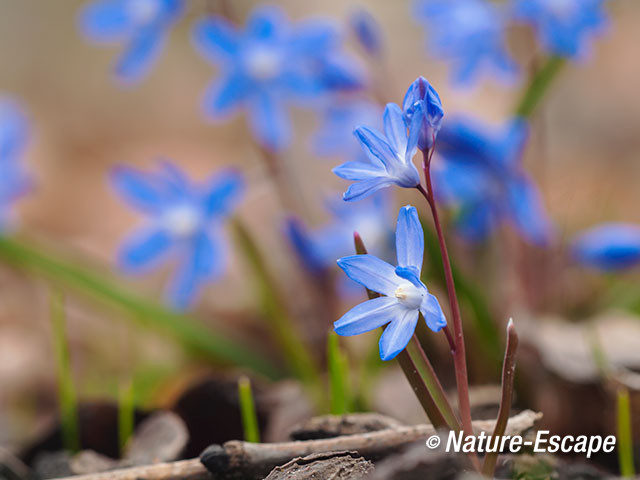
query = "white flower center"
{"x": 142, "y": 11}
{"x": 409, "y": 295}
{"x": 182, "y": 221}
{"x": 263, "y": 63}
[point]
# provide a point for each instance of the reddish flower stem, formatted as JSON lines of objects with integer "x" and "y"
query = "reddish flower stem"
{"x": 459, "y": 354}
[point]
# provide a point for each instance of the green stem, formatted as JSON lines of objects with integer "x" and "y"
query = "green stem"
{"x": 625, "y": 437}
{"x": 538, "y": 86}
{"x": 296, "y": 353}
{"x": 66, "y": 390}
{"x": 338, "y": 376}
{"x": 432, "y": 383}
{"x": 193, "y": 336}
{"x": 248, "y": 411}
{"x": 508, "y": 372}
{"x": 126, "y": 414}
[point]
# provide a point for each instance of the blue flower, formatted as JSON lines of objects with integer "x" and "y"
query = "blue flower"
{"x": 318, "y": 248}
{"x": 610, "y": 246}
{"x": 405, "y": 296}
{"x": 339, "y": 118}
{"x": 564, "y": 27}
{"x": 422, "y": 99}
{"x": 142, "y": 25}
{"x": 481, "y": 174}
{"x": 469, "y": 34}
{"x": 185, "y": 221}
{"x": 268, "y": 65}
{"x": 366, "y": 30}
{"x": 390, "y": 157}
{"x": 14, "y": 130}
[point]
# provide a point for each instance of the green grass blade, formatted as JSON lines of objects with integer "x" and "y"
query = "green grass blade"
{"x": 126, "y": 414}
{"x": 625, "y": 438}
{"x": 196, "y": 338}
{"x": 538, "y": 86}
{"x": 283, "y": 328}
{"x": 248, "y": 411}
{"x": 67, "y": 399}
{"x": 340, "y": 402}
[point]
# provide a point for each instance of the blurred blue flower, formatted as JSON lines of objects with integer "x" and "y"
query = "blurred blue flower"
{"x": 319, "y": 248}
{"x": 610, "y": 246}
{"x": 185, "y": 221}
{"x": 390, "y": 157}
{"x": 470, "y": 35}
{"x": 422, "y": 98}
{"x": 564, "y": 27}
{"x": 405, "y": 296}
{"x": 14, "y": 131}
{"x": 366, "y": 30}
{"x": 339, "y": 118}
{"x": 269, "y": 64}
{"x": 142, "y": 25}
{"x": 481, "y": 174}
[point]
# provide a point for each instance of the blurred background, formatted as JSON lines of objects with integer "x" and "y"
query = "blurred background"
{"x": 583, "y": 153}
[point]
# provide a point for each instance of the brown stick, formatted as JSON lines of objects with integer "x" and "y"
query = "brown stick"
{"x": 236, "y": 459}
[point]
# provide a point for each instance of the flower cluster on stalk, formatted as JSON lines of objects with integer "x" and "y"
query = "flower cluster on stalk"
{"x": 270, "y": 64}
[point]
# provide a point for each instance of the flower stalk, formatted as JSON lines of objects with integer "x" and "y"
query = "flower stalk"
{"x": 459, "y": 353}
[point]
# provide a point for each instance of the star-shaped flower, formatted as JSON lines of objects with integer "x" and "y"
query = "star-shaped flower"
{"x": 270, "y": 64}
{"x": 142, "y": 25}
{"x": 480, "y": 173}
{"x": 405, "y": 296}
{"x": 564, "y": 27}
{"x": 470, "y": 35}
{"x": 185, "y": 222}
{"x": 390, "y": 156}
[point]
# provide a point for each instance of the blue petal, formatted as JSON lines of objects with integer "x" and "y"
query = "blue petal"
{"x": 397, "y": 334}
{"x": 476, "y": 221}
{"x": 358, "y": 171}
{"x": 144, "y": 250}
{"x": 226, "y": 95}
{"x": 364, "y": 188}
{"x": 370, "y": 272}
{"x": 266, "y": 22}
{"x": 410, "y": 273}
{"x": 368, "y": 316}
{"x": 139, "y": 189}
{"x": 377, "y": 147}
{"x": 223, "y": 192}
{"x": 216, "y": 39}
{"x": 409, "y": 238}
{"x": 300, "y": 238}
{"x": 394, "y": 127}
{"x": 433, "y": 314}
{"x": 205, "y": 262}
{"x": 528, "y": 213}
{"x": 140, "y": 54}
{"x": 269, "y": 121}
{"x": 610, "y": 246}
{"x": 104, "y": 20}
{"x": 313, "y": 36}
